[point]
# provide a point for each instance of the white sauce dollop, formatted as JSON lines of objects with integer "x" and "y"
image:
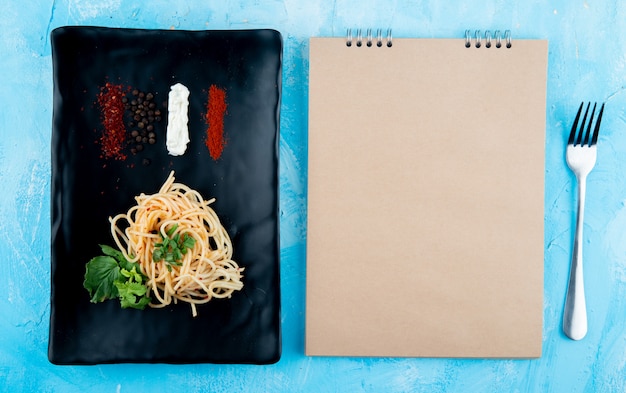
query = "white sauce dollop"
{"x": 177, "y": 119}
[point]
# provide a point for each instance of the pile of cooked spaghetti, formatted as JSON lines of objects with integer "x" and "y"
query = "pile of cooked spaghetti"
{"x": 181, "y": 246}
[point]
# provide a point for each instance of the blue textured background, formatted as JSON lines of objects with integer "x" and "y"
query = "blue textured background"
{"x": 587, "y": 61}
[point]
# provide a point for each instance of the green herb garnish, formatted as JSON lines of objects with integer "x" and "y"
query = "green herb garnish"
{"x": 132, "y": 292}
{"x": 111, "y": 276}
{"x": 172, "y": 248}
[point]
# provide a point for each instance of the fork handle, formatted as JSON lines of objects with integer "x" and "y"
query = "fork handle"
{"x": 575, "y": 313}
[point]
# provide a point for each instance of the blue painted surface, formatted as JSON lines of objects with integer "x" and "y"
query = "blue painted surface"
{"x": 587, "y": 61}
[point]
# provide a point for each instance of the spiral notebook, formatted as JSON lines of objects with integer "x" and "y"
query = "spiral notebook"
{"x": 426, "y": 196}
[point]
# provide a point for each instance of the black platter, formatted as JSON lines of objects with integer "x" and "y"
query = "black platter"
{"x": 87, "y": 188}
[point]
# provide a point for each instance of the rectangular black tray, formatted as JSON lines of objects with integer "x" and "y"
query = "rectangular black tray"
{"x": 87, "y": 188}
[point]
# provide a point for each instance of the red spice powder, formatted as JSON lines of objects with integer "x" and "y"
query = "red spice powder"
{"x": 112, "y": 115}
{"x": 214, "y": 116}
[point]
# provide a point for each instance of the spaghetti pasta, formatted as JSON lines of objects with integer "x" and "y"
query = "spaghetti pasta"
{"x": 202, "y": 270}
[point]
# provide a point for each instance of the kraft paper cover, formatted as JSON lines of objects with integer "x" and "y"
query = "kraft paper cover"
{"x": 425, "y": 199}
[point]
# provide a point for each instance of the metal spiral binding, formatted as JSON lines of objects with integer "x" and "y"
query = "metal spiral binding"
{"x": 369, "y": 38}
{"x": 477, "y": 38}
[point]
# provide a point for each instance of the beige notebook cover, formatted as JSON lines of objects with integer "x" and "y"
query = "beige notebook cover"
{"x": 425, "y": 199}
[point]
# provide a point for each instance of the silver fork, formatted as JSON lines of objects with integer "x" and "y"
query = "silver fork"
{"x": 581, "y": 158}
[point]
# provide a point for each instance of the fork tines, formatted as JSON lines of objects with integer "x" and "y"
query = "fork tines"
{"x": 582, "y": 137}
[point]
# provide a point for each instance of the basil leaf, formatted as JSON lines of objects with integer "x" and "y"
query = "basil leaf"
{"x": 119, "y": 257}
{"x": 112, "y": 252}
{"x": 101, "y": 273}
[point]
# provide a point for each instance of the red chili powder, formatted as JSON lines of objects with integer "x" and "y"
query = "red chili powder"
{"x": 215, "y": 111}
{"x": 112, "y": 115}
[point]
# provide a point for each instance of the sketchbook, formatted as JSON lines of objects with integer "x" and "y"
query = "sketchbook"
{"x": 426, "y": 196}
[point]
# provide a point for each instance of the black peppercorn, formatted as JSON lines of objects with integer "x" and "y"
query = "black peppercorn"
{"x": 143, "y": 114}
